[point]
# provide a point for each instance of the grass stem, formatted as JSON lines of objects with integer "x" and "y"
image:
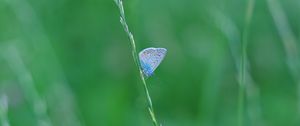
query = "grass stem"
{"x": 243, "y": 65}
{"x": 119, "y": 3}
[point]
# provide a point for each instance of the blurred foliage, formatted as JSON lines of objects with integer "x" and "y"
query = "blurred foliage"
{"x": 69, "y": 63}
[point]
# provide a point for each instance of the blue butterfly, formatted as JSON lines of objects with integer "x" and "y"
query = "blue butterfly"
{"x": 150, "y": 58}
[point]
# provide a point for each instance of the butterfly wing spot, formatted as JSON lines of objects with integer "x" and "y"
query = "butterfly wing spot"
{"x": 150, "y": 59}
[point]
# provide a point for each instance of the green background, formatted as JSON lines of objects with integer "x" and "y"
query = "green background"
{"x": 69, "y": 63}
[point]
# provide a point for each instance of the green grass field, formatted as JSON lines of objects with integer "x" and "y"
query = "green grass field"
{"x": 229, "y": 63}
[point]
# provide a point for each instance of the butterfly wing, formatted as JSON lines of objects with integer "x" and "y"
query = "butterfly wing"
{"x": 150, "y": 58}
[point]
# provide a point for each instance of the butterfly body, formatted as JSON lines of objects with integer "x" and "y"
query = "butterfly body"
{"x": 150, "y": 58}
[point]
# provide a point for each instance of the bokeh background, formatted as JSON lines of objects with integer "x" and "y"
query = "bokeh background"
{"x": 69, "y": 63}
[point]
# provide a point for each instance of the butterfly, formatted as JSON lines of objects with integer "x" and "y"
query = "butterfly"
{"x": 150, "y": 58}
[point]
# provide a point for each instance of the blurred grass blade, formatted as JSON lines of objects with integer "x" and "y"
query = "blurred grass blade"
{"x": 289, "y": 41}
{"x": 42, "y": 51}
{"x": 243, "y": 63}
{"x": 26, "y": 82}
{"x": 232, "y": 33}
{"x": 3, "y": 110}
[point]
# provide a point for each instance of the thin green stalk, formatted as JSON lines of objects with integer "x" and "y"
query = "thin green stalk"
{"x": 243, "y": 65}
{"x": 119, "y": 3}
